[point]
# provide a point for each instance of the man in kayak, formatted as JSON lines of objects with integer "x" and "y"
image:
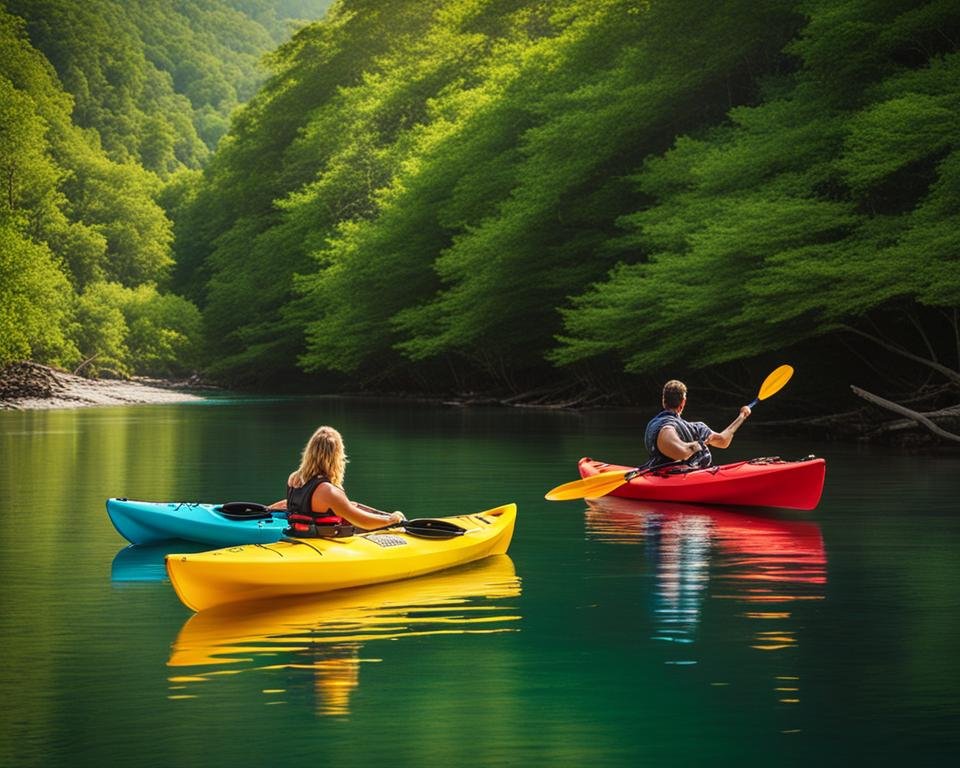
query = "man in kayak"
{"x": 669, "y": 437}
{"x": 315, "y": 489}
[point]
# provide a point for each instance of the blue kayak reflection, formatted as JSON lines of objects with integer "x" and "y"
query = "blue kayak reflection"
{"x": 323, "y": 636}
{"x": 763, "y": 567}
{"x": 145, "y": 562}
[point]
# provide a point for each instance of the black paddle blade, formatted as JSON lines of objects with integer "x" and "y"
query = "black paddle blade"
{"x": 244, "y": 510}
{"x": 427, "y": 528}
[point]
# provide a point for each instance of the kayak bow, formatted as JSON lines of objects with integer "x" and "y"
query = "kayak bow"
{"x": 151, "y": 522}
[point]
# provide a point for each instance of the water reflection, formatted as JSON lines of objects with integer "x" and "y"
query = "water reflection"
{"x": 325, "y": 635}
{"x": 764, "y": 566}
{"x": 145, "y": 562}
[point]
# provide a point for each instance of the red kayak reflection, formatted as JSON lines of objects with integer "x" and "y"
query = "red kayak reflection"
{"x": 764, "y": 566}
{"x": 760, "y": 549}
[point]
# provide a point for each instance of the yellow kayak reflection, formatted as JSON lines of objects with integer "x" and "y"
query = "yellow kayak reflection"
{"x": 325, "y": 633}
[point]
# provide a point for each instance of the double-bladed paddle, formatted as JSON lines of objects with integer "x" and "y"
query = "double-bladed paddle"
{"x": 425, "y": 528}
{"x": 605, "y": 482}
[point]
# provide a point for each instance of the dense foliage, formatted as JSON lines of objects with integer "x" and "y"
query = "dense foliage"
{"x": 99, "y": 101}
{"x": 475, "y": 189}
{"x": 158, "y": 79}
{"x": 838, "y": 193}
{"x": 466, "y": 193}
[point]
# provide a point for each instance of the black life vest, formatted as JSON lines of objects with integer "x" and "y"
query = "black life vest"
{"x": 302, "y": 521}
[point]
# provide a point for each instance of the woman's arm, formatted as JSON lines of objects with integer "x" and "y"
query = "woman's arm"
{"x": 372, "y": 510}
{"x": 329, "y": 496}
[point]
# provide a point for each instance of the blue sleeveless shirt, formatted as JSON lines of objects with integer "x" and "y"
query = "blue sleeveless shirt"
{"x": 688, "y": 431}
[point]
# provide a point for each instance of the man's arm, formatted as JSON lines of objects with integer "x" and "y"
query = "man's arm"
{"x": 723, "y": 439}
{"x": 670, "y": 444}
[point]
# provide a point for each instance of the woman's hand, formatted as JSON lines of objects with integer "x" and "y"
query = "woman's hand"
{"x": 398, "y": 517}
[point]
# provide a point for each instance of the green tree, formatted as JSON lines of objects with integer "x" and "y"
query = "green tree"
{"x": 35, "y": 302}
{"x": 101, "y": 329}
{"x": 118, "y": 201}
{"x": 124, "y": 330}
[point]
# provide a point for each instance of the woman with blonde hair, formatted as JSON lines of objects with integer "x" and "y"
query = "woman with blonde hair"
{"x": 315, "y": 488}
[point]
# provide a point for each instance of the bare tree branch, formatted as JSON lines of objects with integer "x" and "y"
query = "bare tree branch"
{"x": 85, "y": 363}
{"x": 926, "y": 340}
{"x": 901, "y": 424}
{"x": 917, "y": 417}
{"x": 951, "y": 374}
{"x": 956, "y": 331}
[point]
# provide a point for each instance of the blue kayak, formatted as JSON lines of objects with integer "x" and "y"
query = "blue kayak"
{"x": 222, "y": 525}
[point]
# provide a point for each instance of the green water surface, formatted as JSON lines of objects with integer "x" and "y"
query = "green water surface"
{"x": 615, "y": 633}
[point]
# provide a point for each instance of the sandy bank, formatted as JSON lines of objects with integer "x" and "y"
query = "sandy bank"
{"x": 32, "y": 386}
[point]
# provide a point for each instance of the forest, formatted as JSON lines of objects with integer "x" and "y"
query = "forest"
{"x": 504, "y": 196}
{"x": 107, "y": 109}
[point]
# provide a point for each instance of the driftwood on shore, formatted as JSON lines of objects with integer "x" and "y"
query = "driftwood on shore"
{"x": 926, "y": 417}
{"x": 27, "y": 380}
{"x": 929, "y": 406}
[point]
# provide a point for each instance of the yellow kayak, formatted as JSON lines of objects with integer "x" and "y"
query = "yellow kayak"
{"x": 308, "y": 566}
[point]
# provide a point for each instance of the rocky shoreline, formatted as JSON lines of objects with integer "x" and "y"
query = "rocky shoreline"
{"x": 31, "y": 386}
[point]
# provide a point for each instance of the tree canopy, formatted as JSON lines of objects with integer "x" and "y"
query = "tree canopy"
{"x": 492, "y": 187}
{"x": 481, "y": 192}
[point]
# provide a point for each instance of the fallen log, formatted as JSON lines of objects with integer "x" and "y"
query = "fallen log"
{"x": 923, "y": 419}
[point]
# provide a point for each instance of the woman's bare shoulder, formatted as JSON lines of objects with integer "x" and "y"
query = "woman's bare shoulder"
{"x": 329, "y": 496}
{"x": 329, "y": 491}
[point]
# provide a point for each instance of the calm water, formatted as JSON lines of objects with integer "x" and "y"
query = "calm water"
{"x": 614, "y": 633}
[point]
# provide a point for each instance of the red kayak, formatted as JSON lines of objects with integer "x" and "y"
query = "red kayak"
{"x": 768, "y": 482}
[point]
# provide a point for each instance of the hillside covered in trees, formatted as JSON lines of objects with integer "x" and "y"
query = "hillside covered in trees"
{"x": 106, "y": 109}
{"x": 472, "y": 193}
{"x": 452, "y": 195}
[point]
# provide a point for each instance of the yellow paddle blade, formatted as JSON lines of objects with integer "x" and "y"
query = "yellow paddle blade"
{"x": 775, "y": 381}
{"x": 588, "y": 487}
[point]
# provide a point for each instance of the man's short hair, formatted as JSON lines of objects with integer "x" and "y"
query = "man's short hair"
{"x": 674, "y": 393}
